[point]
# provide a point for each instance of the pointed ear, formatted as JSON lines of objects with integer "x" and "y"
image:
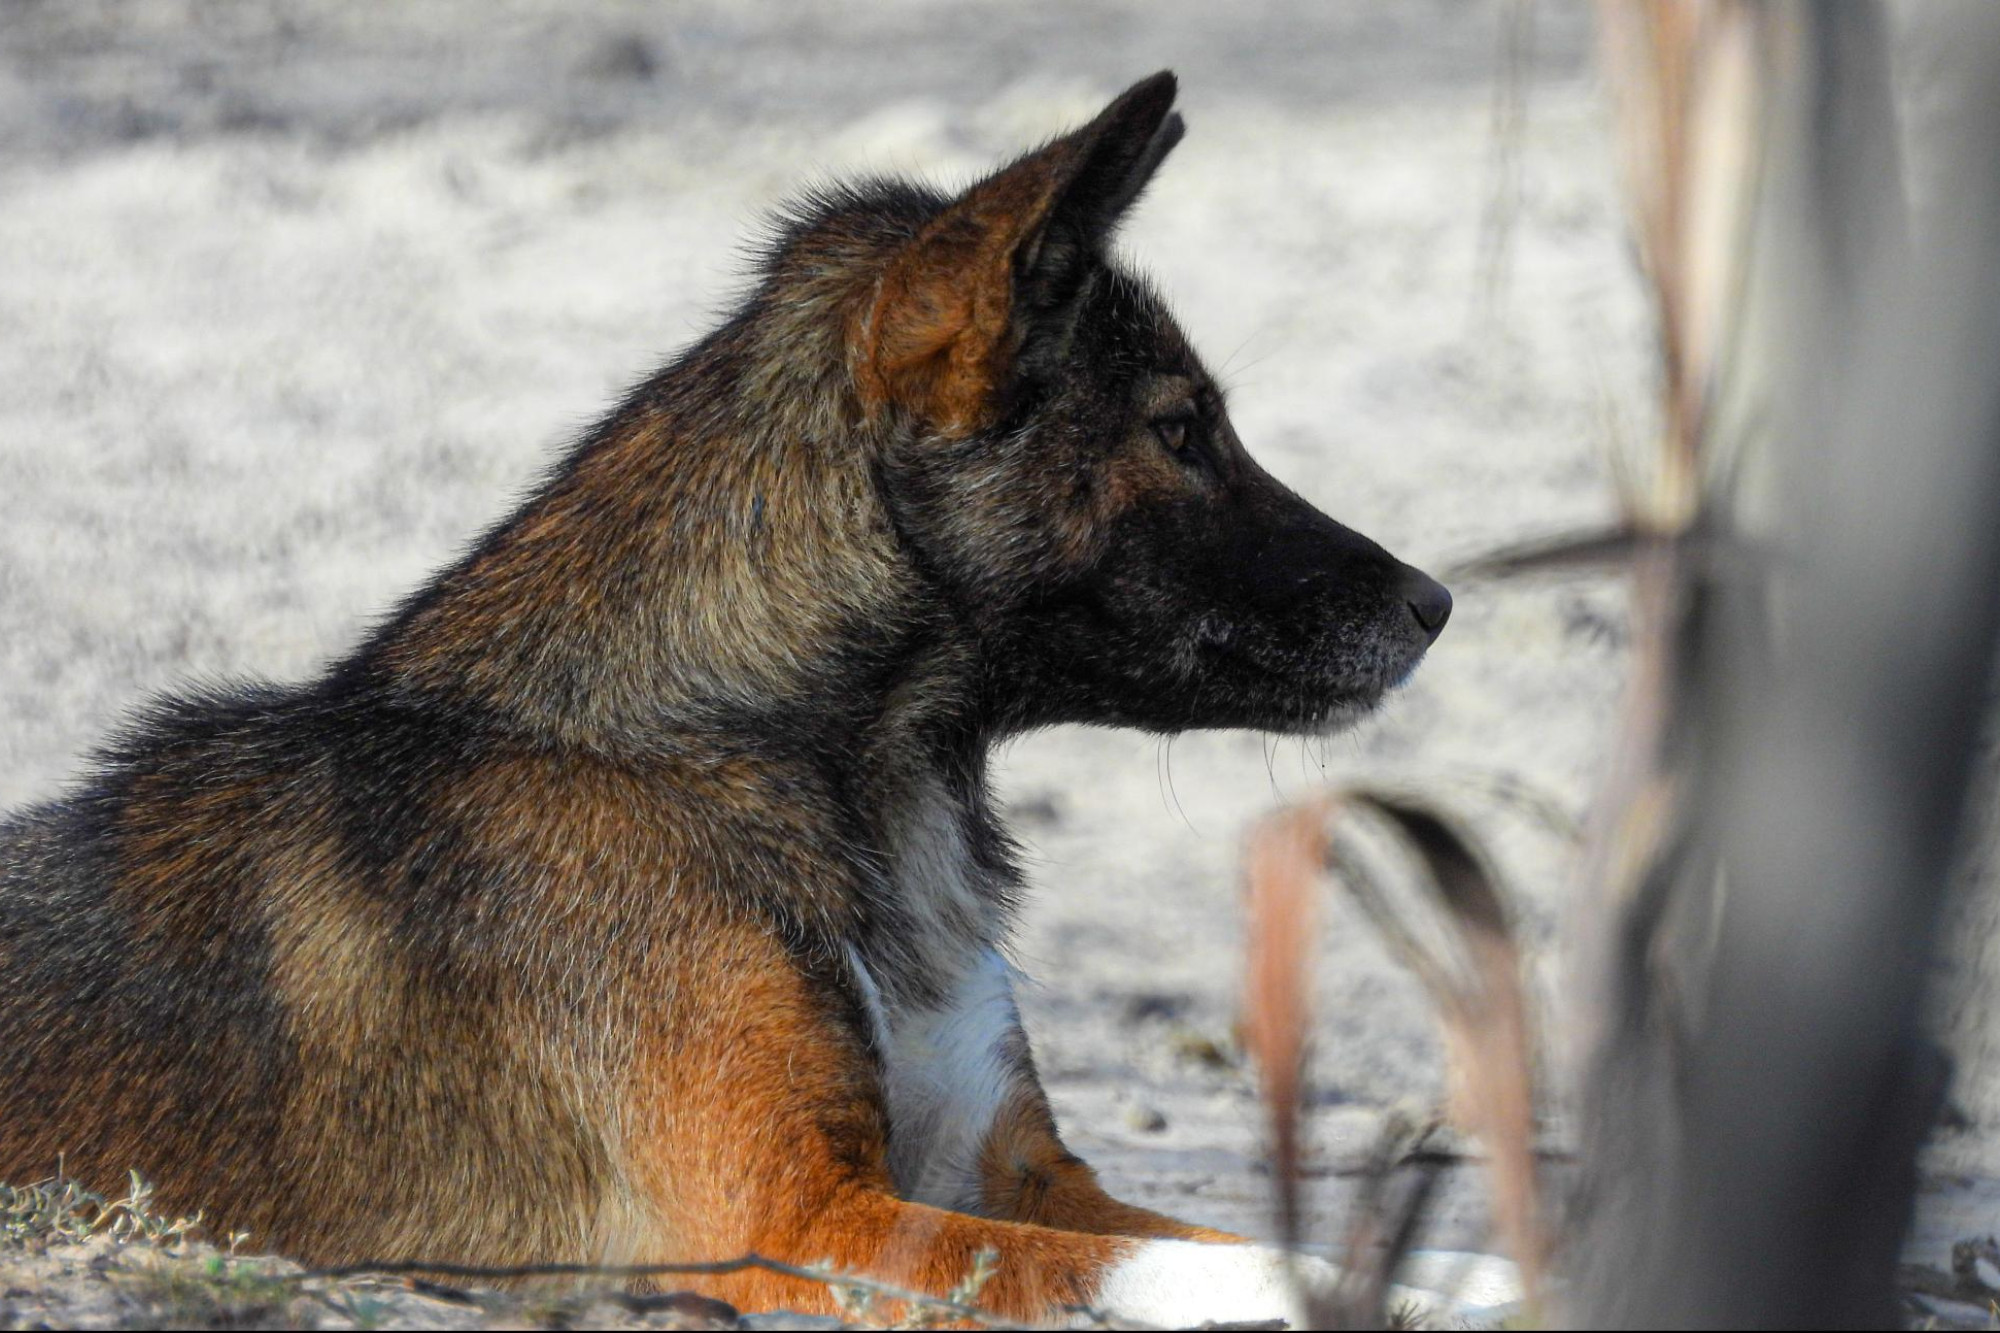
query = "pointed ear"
{"x": 954, "y": 304}
{"x": 1119, "y": 152}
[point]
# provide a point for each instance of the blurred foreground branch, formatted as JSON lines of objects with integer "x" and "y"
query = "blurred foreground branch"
{"x": 1771, "y": 866}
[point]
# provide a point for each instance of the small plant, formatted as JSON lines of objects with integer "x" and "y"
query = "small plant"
{"x": 61, "y": 1211}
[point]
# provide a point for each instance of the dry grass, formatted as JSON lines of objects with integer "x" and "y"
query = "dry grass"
{"x": 70, "y": 1256}
{"x": 1458, "y": 941}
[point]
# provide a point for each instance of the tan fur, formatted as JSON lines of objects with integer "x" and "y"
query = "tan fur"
{"x": 1028, "y": 1176}
{"x": 937, "y": 338}
{"x": 761, "y": 1132}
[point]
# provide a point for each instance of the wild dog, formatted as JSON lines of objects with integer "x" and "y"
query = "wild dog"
{"x": 633, "y": 893}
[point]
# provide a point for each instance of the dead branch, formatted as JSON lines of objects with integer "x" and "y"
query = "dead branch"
{"x": 635, "y": 1272}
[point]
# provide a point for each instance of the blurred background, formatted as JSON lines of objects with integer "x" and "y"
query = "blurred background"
{"x": 296, "y": 297}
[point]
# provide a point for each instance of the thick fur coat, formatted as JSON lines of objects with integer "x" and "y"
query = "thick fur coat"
{"x": 633, "y": 894}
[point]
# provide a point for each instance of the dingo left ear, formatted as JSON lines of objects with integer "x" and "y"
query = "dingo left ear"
{"x": 955, "y": 304}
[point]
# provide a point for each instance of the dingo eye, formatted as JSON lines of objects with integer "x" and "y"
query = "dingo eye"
{"x": 1181, "y": 436}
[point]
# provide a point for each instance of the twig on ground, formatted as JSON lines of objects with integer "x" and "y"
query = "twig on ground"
{"x": 631, "y": 1272}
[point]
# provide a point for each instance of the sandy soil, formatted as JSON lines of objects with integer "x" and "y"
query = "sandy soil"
{"x": 295, "y": 298}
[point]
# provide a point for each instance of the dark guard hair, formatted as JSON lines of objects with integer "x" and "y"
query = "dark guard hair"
{"x": 330, "y": 960}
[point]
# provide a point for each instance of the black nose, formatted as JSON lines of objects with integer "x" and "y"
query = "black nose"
{"x": 1429, "y": 600}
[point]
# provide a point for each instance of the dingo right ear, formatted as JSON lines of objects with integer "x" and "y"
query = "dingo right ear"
{"x": 955, "y": 304}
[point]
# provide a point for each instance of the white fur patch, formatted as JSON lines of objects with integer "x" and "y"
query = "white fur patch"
{"x": 948, "y": 1071}
{"x": 950, "y": 919}
{"x": 1182, "y": 1283}
{"x": 1179, "y": 1283}
{"x": 871, "y": 996}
